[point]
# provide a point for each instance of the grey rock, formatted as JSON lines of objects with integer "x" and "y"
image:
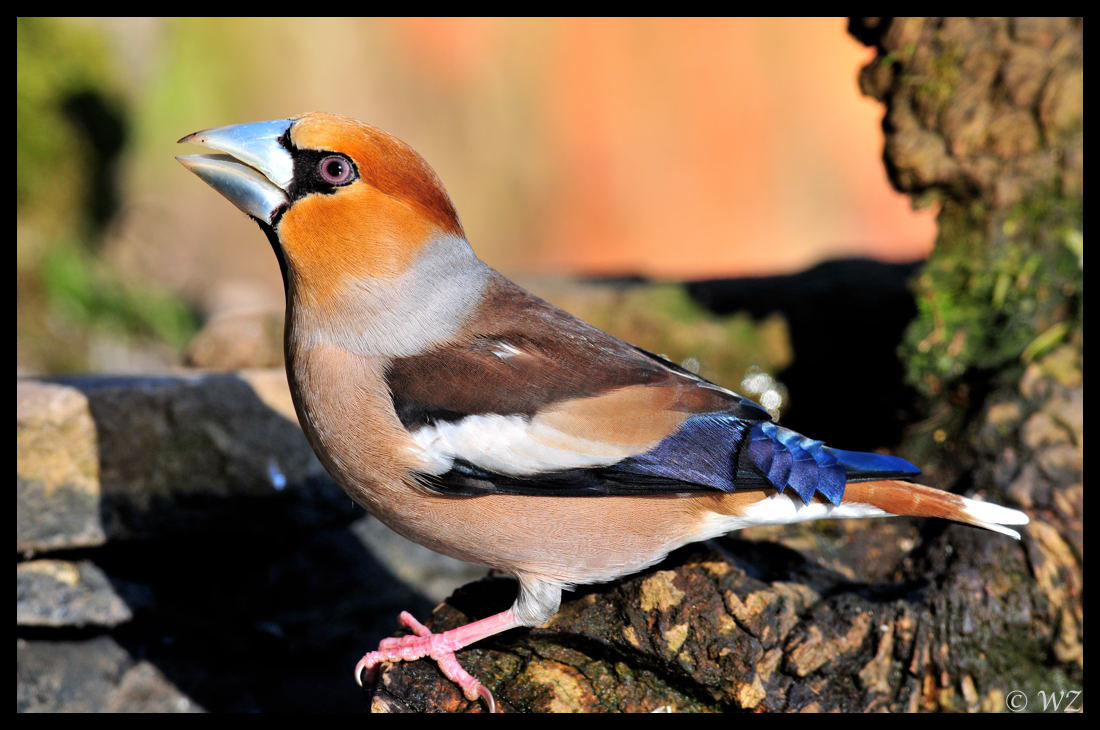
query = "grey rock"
{"x": 144, "y": 689}
{"x": 62, "y": 593}
{"x": 57, "y": 469}
{"x": 105, "y": 458}
{"x": 96, "y": 675}
{"x": 67, "y": 676}
{"x": 258, "y": 583}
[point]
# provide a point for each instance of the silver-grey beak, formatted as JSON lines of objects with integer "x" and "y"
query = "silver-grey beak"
{"x": 255, "y": 173}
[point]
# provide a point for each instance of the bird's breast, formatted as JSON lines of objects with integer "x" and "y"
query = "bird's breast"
{"x": 401, "y": 314}
{"x": 347, "y": 414}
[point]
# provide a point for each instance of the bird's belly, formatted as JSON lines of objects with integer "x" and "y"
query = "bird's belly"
{"x": 573, "y": 540}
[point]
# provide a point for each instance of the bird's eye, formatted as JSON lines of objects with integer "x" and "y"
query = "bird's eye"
{"x": 335, "y": 170}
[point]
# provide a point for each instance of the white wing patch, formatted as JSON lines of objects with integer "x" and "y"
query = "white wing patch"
{"x": 512, "y": 445}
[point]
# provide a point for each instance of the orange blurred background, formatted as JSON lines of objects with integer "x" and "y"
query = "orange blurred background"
{"x": 673, "y": 149}
{"x": 694, "y": 147}
{"x": 668, "y": 148}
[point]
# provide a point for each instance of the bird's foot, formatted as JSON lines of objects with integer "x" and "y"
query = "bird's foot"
{"x": 422, "y": 643}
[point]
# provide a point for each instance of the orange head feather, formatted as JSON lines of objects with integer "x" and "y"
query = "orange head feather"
{"x": 372, "y": 227}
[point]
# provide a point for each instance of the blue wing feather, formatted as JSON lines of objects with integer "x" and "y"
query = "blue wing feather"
{"x": 707, "y": 449}
{"x": 701, "y": 452}
{"x": 864, "y": 463}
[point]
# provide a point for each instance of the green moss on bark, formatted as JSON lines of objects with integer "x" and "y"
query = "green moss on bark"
{"x": 1000, "y": 290}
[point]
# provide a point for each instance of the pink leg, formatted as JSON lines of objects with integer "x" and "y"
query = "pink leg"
{"x": 441, "y": 648}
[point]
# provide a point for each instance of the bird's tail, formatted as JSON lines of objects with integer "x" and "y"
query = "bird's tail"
{"x": 902, "y": 498}
{"x": 834, "y": 483}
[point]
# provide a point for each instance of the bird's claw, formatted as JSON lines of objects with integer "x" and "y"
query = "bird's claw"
{"x": 362, "y": 665}
{"x": 420, "y": 644}
{"x": 486, "y": 697}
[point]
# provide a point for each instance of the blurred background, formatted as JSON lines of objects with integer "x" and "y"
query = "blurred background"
{"x": 667, "y": 149}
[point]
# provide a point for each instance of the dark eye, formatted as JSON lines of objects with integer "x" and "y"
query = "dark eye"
{"x": 335, "y": 169}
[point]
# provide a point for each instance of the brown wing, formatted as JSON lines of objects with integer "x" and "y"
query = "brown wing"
{"x": 529, "y": 357}
{"x": 538, "y": 402}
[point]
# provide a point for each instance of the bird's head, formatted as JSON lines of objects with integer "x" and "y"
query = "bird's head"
{"x": 339, "y": 200}
{"x": 373, "y": 256}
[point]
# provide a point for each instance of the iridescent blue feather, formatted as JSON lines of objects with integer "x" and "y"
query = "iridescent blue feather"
{"x": 713, "y": 450}
{"x": 703, "y": 451}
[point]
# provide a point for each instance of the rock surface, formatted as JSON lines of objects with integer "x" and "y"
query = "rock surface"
{"x": 96, "y": 675}
{"x": 985, "y": 115}
{"x": 236, "y": 341}
{"x": 63, "y": 593}
{"x": 978, "y": 107}
{"x": 184, "y": 572}
{"x": 101, "y": 458}
{"x": 57, "y": 469}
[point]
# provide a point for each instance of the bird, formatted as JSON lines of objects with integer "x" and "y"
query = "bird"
{"x": 483, "y": 422}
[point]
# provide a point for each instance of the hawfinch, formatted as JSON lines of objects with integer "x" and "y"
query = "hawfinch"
{"x": 487, "y": 424}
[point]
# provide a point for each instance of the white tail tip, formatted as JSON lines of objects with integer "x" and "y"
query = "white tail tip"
{"x": 994, "y": 516}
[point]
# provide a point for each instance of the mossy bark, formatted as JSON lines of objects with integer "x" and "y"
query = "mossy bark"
{"x": 983, "y": 118}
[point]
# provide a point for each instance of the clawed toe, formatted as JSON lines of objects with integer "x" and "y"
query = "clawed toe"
{"x": 487, "y": 697}
{"x": 361, "y": 666}
{"x": 441, "y": 648}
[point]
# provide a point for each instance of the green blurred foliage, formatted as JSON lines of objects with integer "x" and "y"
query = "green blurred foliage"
{"x": 205, "y": 74}
{"x": 54, "y": 60}
{"x": 89, "y": 295}
{"x": 67, "y": 296}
